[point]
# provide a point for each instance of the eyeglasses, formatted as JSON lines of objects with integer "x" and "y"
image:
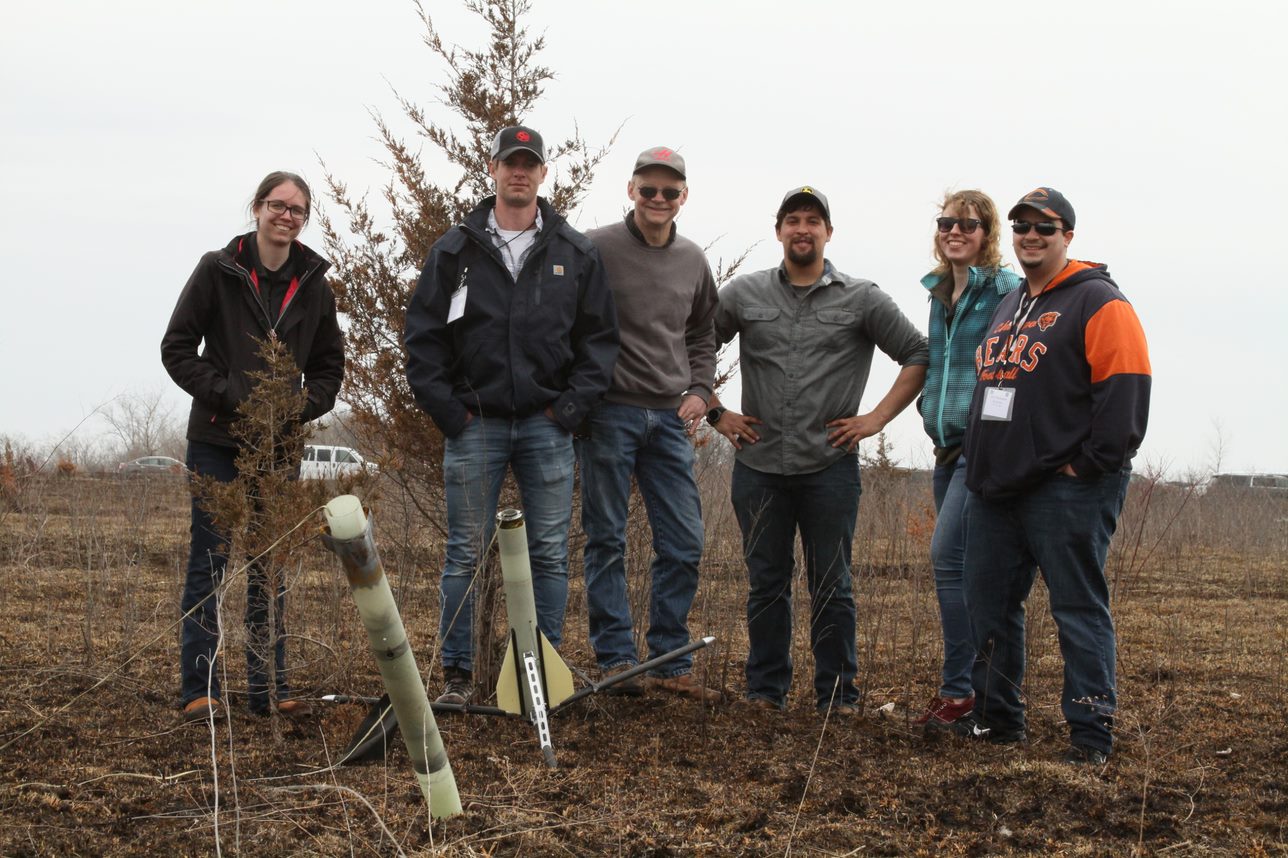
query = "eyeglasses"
{"x": 1022, "y": 227}
{"x": 648, "y": 192}
{"x": 967, "y": 225}
{"x": 278, "y": 207}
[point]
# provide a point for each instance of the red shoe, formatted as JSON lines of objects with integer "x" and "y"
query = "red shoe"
{"x": 943, "y": 711}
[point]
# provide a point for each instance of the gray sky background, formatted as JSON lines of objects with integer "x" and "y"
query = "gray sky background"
{"x": 135, "y": 132}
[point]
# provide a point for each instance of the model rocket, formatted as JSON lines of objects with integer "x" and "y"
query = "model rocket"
{"x": 534, "y": 678}
{"x": 350, "y": 538}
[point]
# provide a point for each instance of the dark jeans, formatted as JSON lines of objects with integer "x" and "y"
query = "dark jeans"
{"x": 1062, "y": 527}
{"x": 207, "y": 559}
{"x": 652, "y": 446}
{"x": 823, "y": 506}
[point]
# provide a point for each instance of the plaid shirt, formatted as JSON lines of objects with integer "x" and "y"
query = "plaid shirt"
{"x": 950, "y": 380}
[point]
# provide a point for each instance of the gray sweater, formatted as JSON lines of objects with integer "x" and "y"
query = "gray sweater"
{"x": 666, "y": 300}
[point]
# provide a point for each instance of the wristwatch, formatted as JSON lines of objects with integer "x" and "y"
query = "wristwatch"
{"x": 714, "y": 415}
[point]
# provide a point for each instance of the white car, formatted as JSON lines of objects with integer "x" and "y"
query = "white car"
{"x": 322, "y": 462}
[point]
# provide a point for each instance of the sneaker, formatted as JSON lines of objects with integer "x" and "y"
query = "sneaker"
{"x": 203, "y": 709}
{"x": 973, "y": 727}
{"x": 626, "y": 688}
{"x": 685, "y": 685}
{"x": 1085, "y": 755}
{"x": 945, "y": 711}
{"x": 458, "y": 688}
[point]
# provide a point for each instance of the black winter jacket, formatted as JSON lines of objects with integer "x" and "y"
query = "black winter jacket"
{"x": 548, "y": 340}
{"x": 220, "y": 304}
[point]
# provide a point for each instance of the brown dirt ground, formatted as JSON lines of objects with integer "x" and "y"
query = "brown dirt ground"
{"x": 91, "y": 575}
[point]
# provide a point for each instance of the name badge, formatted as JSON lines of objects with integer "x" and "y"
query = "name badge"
{"x": 998, "y": 403}
{"x": 458, "y": 300}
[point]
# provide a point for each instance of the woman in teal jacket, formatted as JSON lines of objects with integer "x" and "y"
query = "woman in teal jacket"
{"x": 965, "y": 288}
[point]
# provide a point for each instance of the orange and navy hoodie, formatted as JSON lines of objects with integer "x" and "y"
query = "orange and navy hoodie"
{"x": 1080, "y": 370}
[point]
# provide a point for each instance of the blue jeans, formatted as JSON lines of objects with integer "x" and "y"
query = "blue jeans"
{"x": 653, "y": 445}
{"x": 539, "y": 452}
{"x": 823, "y": 506}
{"x": 207, "y": 559}
{"x": 947, "y": 557}
{"x": 1062, "y": 527}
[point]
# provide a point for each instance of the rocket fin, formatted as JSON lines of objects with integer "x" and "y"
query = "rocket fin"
{"x": 509, "y": 695}
{"x": 558, "y": 676}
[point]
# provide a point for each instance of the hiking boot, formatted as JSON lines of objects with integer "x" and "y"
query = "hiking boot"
{"x": 973, "y": 727}
{"x": 626, "y": 688}
{"x": 944, "y": 711}
{"x": 294, "y": 709}
{"x": 845, "y": 708}
{"x": 1085, "y": 755}
{"x": 458, "y": 687}
{"x": 685, "y": 685}
{"x": 203, "y": 709}
{"x": 761, "y": 704}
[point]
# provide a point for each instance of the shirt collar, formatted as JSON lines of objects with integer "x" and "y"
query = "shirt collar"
{"x": 828, "y": 275}
{"x": 495, "y": 228}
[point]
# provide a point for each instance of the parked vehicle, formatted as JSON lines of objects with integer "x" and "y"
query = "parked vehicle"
{"x": 322, "y": 462}
{"x": 152, "y": 465}
{"x": 1274, "y": 484}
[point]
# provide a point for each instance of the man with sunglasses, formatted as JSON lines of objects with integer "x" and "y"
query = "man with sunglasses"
{"x": 807, "y": 334}
{"x": 511, "y": 338}
{"x": 665, "y": 297}
{"x": 1059, "y": 411}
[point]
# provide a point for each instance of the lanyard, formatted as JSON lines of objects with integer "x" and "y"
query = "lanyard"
{"x": 1017, "y": 321}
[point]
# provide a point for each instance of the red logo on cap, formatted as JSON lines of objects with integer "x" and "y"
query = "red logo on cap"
{"x": 523, "y": 137}
{"x": 664, "y": 154}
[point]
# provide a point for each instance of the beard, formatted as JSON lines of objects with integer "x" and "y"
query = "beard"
{"x": 803, "y": 258}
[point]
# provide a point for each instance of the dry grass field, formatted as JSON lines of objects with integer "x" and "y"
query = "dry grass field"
{"x": 96, "y": 761}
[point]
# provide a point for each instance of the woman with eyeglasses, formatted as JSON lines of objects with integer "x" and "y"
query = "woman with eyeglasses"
{"x": 965, "y": 288}
{"x": 263, "y": 284}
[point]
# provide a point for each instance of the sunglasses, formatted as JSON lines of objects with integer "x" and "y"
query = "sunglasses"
{"x": 967, "y": 225}
{"x": 648, "y": 192}
{"x": 1022, "y": 227}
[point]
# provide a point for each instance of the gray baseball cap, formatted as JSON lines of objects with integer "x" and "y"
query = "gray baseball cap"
{"x": 815, "y": 195}
{"x": 515, "y": 138}
{"x": 661, "y": 156}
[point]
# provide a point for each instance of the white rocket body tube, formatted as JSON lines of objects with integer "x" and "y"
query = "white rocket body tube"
{"x": 513, "y": 692}
{"x": 351, "y": 540}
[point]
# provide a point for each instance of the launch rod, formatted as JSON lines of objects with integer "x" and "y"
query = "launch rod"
{"x": 595, "y": 687}
{"x": 467, "y": 708}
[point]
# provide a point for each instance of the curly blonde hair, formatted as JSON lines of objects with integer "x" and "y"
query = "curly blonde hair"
{"x": 990, "y": 254}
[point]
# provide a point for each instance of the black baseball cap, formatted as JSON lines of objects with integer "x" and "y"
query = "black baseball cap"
{"x": 813, "y": 195}
{"x": 515, "y": 138}
{"x": 1049, "y": 202}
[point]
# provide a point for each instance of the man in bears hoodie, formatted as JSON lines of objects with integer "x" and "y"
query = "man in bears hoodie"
{"x": 1059, "y": 411}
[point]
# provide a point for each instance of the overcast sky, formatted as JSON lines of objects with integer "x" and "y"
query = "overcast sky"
{"x": 135, "y": 132}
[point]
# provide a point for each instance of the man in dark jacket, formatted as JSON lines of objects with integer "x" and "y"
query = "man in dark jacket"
{"x": 511, "y": 338}
{"x": 1059, "y": 411}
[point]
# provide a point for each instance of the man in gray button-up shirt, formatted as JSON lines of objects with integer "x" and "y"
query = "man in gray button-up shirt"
{"x": 806, "y": 338}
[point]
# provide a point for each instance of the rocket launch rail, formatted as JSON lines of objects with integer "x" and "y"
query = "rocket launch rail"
{"x": 534, "y": 684}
